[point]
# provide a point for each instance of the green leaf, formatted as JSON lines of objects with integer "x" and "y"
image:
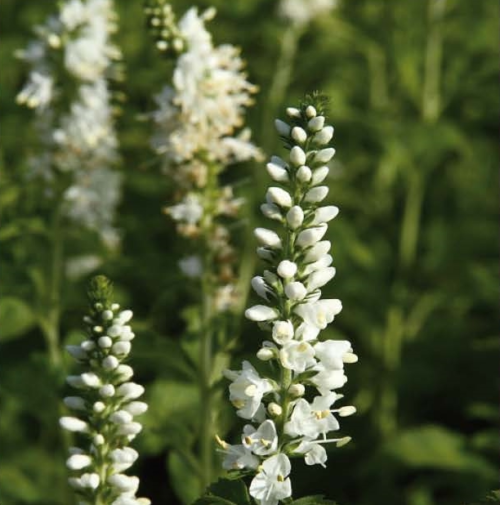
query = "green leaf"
{"x": 225, "y": 492}
{"x": 16, "y": 318}
{"x": 172, "y": 416}
{"x": 313, "y": 500}
{"x": 436, "y": 447}
{"x": 184, "y": 480}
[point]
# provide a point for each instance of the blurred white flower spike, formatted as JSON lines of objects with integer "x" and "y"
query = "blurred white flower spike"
{"x": 71, "y": 60}
{"x": 105, "y": 405}
{"x": 293, "y": 409}
{"x": 198, "y": 133}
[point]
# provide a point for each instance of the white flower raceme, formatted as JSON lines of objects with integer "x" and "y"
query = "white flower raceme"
{"x": 198, "y": 133}
{"x": 291, "y": 413}
{"x": 76, "y": 123}
{"x": 301, "y": 12}
{"x": 104, "y": 413}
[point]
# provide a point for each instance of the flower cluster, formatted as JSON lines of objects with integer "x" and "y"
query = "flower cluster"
{"x": 71, "y": 60}
{"x": 292, "y": 414}
{"x": 105, "y": 405}
{"x": 302, "y": 12}
{"x": 196, "y": 123}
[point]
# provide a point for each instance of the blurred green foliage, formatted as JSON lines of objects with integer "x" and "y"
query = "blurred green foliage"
{"x": 414, "y": 100}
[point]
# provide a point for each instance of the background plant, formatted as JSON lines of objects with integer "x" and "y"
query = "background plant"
{"x": 414, "y": 243}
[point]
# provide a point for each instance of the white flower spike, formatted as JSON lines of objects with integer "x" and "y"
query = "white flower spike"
{"x": 283, "y": 423}
{"x": 106, "y": 412}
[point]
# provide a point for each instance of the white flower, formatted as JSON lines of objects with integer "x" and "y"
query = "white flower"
{"x": 271, "y": 484}
{"x": 314, "y": 453}
{"x": 247, "y": 390}
{"x": 191, "y": 266}
{"x": 301, "y": 12}
{"x": 326, "y": 380}
{"x": 331, "y": 352}
{"x": 262, "y": 441}
{"x": 316, "y": 316}
{"x": 297, "y": 356}
{"x": 283, "y": 332}
{"x": 190, "y": 210}
{"x": 238, "y": 457}
{"x": 287, "y": 269}
{"x": 312, "y": 419}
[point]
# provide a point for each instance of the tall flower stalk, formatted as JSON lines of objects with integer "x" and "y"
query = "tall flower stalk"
{"x": 198, "y": 134}
{"x": 290, "y": 410}
{"x": 298, "y": 15}
{"x": 71, "y": 61}
{"x": 105, "y": 405}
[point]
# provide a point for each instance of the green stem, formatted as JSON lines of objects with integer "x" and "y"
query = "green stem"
{"x": 411, "y": 225}
{"x": 50, "y": 320}
{"x": 281, "y": 78}
{"x": 207, "y": 334}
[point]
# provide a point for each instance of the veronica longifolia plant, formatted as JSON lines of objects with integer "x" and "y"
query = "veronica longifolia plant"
{"x": 292, "y": 414}
{"x": 72, "y": 60}
{"x": 105, "y": 405}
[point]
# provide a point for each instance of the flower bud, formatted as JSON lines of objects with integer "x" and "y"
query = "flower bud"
{"x": 107, "y": 391}
{"x": 319, "y": 175}
{"x": 296, "y": 390}
{"x": 98, "y": 407}
{"x": 325, "y": 214}
{"x": 77, "y": 352}
{"x": 295, "y": 291}
{"x": 279, "y": 197}
{"x": 110, "y": 362}
{"x": 261, "y": 313}
{"x": 297, "y": 156}
{"x": 107, "y": 315}
{"x": 316, "y": 123}
{"x": 304, "y": 174}
{"x": 311, "y": 111}
{"x": 136, "y": 408}
{"x": 267, "y": 238}
{"x": 73, "y": 424}
{"x": 105, "y": 342}
{"x": 324, "y": 136}
{"x": 78, "y": 461}
{"x": 317, "y": 251}
{"x": 271, "y": 211}
{"x": 287, "y": 269}
{"x": 274, "y": 409}
{"x": 282, "y": 128}
{"x": 121, "y": 348}
{"x": 277, "y": 173}
{"x": 309, "y": 237}
{"x": 316, "y": 195}
{"x": 319, "y": 278}
{"x": 130, "y": 390}
{"x": 265, "y": 354}
{"x": 265, "y": 254}
{"x": 293, "y": 112}
{"x": 325, "y": 155}
{"x": 299, "y": 134}
{"x": 295, "y": 217}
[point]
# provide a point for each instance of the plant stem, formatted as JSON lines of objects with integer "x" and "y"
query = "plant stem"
{"x": 207, "y": 332}
{"x": 410, "y": 226}
{"x": 50, "y": 320}
{"x": 281, "y": 78}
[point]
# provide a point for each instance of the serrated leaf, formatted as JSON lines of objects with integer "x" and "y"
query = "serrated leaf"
{"x": 313, "y": 500}
{"x": 16, "y": 318}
